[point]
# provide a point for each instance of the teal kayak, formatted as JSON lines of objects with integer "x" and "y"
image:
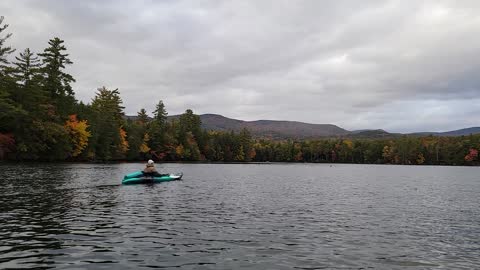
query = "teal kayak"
{"x": 140, "y": 178}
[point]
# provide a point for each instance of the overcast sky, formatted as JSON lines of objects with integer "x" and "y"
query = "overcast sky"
{"x": 402, "y": 66}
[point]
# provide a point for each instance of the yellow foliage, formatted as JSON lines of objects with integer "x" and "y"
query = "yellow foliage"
{"x": 78, "y": 134}
{"x": 388, "y": 153}
{"x": 348, "y": 143}
{"x": 144, "y": 147}
{"x": 123, "y": 140}
{"x": 179, "y": 150}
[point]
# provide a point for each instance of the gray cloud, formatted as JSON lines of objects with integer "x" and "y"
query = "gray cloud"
{"x": 398, "y": 65}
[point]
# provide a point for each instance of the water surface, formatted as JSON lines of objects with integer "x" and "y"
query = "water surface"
{"x": 252, "y": 216}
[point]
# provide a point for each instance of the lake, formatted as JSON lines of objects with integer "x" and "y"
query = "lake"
{"x": 240, "y": 216}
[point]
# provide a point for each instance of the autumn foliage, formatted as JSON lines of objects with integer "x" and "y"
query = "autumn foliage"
{"x": 78, "y": 134}
{"x": 7, "y": 144}
{"x": 123, "y": 140}
{"x": 472, "y": 155}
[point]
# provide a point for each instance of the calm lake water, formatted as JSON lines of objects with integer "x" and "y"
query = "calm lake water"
{"x": 252, "y": 216}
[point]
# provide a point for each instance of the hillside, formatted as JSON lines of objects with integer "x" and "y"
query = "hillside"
{"x": 459, "y": 132}
{"x": 271, "y": 128}
{"x": 298, "y": 130}
{"x": 372, "y": 134}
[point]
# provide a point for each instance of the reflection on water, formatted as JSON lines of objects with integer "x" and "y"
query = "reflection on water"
{"x": 240, "y": 216}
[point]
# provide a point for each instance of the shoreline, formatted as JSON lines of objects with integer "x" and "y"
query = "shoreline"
{"x": 235, "y": 163}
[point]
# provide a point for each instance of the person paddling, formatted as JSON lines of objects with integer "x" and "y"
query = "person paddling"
{"x": 150, "y": 169}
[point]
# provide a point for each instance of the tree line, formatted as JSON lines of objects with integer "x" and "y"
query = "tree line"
{"x": 40, "y": 119}
{"x": 407, "y": 150}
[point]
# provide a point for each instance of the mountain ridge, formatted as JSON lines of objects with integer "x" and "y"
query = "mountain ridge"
{"x": 275, "y": 129}
{"x": 284, "y": 129}
{"x": 458, "y": 132}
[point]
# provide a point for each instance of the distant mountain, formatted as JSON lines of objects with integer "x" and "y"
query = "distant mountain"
{"x": 132, "y": 117}
{"x": 459, "y": 132}
{"x": 372, "y": 134}
{"x": 298, "y": 130}
{"x": 270, "y": 128}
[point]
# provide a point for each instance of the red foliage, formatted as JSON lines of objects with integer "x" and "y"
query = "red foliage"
{"x": 7, "y": 144}
{"x": 472, "y": 155}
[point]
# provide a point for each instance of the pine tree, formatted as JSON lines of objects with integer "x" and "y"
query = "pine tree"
{"x": 109, "y": 137}
{"x": 247, "y": 144}
{"x": 26, "y": 72}
{"x": 57, "y": 82}
{"x": 160, "y": 114}
{"x": 138, "y": 137}
{"x": 26, "y": 66}
{"x": 189, "y": 122}
{"x": 4, "y": 50}
{"x": 142, "y": 117}
{"x": 158, "y": 130}
{"x": 9, "y": 111}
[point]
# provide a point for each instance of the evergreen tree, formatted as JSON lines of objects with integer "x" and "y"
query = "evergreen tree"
{"x": 158, "y": 130}
{"x": 135, "y": 132}
{"x": 192, "y": 151}
{"x": 29, "y": 92}
{"x": 246, "y": 143}
{"x": 4, "y": 49}
{"x": 57, "y": 81}
{"x": 142, "y": 117}
{"x": 138, "y": 137}
{"x": 109, "y": 103}
{"x": 160, "y": 114}
{"x": 189, "y": 122}
{"x": 107, "y": 124}
{"x": 27, "y": 66}
{"x": 9, "y": 111}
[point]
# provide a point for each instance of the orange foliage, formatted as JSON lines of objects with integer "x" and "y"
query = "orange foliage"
{"x": 123, "y": 140}
{"x": 78, "y": 134}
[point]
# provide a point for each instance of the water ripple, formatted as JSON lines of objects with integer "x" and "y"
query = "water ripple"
{"x": 77, "y": 216}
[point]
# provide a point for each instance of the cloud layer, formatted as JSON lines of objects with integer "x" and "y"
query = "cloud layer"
{"x": 398, "y": 65}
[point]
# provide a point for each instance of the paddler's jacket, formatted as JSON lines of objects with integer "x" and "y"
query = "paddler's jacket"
{"x": 150, "y": 169}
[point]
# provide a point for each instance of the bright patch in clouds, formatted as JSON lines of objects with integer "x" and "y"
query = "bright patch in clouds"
{"x": 338, "y": 60}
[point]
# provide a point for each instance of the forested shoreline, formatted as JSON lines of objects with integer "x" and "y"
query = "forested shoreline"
{"x": 41, "y": 120}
